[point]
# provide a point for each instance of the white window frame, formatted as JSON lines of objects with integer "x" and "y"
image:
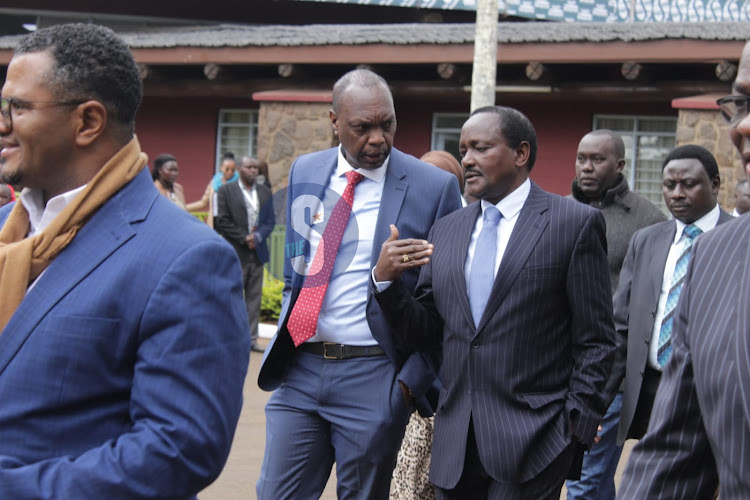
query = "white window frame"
{"x": 252, "y": 128}
{"x": 439, "y": 134}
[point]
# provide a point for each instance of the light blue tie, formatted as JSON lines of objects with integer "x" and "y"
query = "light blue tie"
{"x": 678, "y": 278}
{"x": 482, "y": 273}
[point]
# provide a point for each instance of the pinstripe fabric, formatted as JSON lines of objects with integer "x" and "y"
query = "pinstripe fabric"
{"x": 699, "y": 434}
{"x": 542, "y": 351}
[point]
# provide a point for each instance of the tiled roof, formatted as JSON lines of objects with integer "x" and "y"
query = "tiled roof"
{"x": 414, "y": 34}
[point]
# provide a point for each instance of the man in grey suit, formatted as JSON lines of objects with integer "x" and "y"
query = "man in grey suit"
{"x": 245, "y": 219}
{"x": 516, "y": 290}
{"x": 699, "y": 433}
{"x": 645, "y": 299}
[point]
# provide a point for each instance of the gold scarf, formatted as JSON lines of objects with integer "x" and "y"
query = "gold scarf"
{"x": 23, "y": 259}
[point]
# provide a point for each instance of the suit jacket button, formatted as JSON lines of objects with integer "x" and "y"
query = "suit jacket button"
{"x": 642, "y": 372}
{"x": 647, "y": 341}
{"x": 474, "y": 344}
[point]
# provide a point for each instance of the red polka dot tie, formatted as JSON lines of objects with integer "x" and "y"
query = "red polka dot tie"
{"x": 303, "y": 321}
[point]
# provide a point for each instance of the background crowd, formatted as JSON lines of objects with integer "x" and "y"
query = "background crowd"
{"x": 437, "y": 315}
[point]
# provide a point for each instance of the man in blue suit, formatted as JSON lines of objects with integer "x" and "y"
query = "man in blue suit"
{"x": 516, "y": 290}
{"x": 123, "y": 334}
{"x": 344, "y": 383}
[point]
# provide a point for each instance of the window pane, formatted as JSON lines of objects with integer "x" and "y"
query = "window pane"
{"x": 615, "y": 123}
{"x": 450, "y": 121}
{"x": 657, "y": 125}
{"x": 238, "y": 133}
{"x": 651, "y": 153}
{"x": 241, "y": 117}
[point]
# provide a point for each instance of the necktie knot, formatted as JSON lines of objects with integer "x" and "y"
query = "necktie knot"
{"x": 692, "y": 231}
{"x": 492, "y": 214}
{"x": 353, "y": 178}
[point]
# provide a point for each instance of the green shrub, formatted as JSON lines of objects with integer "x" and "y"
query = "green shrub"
{"x": 270, "y": 301}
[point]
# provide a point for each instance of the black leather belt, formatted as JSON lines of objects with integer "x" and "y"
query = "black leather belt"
{"x": 329, "y": 350}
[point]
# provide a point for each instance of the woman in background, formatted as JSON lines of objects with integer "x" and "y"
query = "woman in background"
{"x": 227, "y": 173}
{"x": 410, "y": 477}
{"x": 165, "y": 174}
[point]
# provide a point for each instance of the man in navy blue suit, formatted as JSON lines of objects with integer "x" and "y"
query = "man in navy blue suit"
{"x": 516, "y": 290}
{"x": 123, "y": 334}
{"x": 344, "y": 384}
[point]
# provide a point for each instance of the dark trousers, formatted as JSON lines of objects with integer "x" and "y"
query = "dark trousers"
{"x": 645, "y": 404}
{"x": 476, "y": 484}
{"x": 252, "y": 281}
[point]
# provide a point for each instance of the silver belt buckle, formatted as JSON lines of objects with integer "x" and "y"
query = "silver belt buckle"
{"x": 326, "y": 345}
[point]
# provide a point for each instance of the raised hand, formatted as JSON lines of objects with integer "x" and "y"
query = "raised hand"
{"x": 396, "y": 256}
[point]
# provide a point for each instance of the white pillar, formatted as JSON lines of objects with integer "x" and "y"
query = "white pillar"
{"x": 484, "y": 72}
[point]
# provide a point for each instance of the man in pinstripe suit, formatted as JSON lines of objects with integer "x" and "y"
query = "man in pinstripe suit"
{"x": 698, "y": 439}
{"x": 525, "y": 362}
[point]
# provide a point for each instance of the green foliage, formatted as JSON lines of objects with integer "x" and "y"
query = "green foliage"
{"x": 270, "y": 301}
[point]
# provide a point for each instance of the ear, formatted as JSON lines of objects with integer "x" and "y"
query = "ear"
{"x": 620, "y": 165}
{"x": 523, "y": 150}
{"x": 715, "y": 185}
{"x": 91, "y": 122}
{"x": 334, "y": 120}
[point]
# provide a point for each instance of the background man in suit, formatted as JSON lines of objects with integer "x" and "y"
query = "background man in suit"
{"x": 245, "y": 218}
{"x": 123, "y": 348}
{"x": 599, "y": 182}
{"x": 741, "y": 198}
{"x": 345, "y": 393}
{"x": 643, "y": 304}
{"x": 699, "y": 434}
{"x": 527, "y": 341}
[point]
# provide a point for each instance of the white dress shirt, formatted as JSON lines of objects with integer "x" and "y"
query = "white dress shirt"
{"x": 343, "y": 315}
{"x": 705, "y": 223}
{"x": 40, "y": 216}
{"x": 509, "y": 207}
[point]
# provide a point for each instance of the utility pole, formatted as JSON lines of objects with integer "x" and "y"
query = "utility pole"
{"x": 484, "y": 72}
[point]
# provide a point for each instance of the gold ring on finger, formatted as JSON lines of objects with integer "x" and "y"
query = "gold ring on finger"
{"x": 405, "y": 258}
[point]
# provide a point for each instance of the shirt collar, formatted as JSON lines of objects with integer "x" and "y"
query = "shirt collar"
{"x": 41, "y": 216}
{"x": 513, "y": 203}
{"x": 705, "y": 223}
{"x": 248, "y": 190}
{"x": 374, "y": 174}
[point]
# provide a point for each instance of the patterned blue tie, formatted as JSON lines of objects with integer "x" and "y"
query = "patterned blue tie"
{"x": 678, "y": 278}
{"x": 482, "y": 273}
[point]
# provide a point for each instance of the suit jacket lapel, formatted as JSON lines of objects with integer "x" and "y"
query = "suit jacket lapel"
{"x": 658, "y": 254}
{"x": 527, "y": 231}
{"x": 312, "y": 180}
{"x": 238, "y": 203}
{"x": 99, "y": 238}
{"x": 394, "y": 191}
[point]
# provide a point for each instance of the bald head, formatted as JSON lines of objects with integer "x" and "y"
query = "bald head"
{"x": 361, "y": 78}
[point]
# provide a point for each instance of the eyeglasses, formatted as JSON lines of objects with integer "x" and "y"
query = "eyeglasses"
{"x": 8, "y": 104}
{"x": 734, "y": 108}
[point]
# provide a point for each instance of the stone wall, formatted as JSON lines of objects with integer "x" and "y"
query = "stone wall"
{"x": 289, "y": 129}
{"x": 708, "y": 129}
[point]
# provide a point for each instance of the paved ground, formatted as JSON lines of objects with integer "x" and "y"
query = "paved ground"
{"x": 237, "y": 481}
